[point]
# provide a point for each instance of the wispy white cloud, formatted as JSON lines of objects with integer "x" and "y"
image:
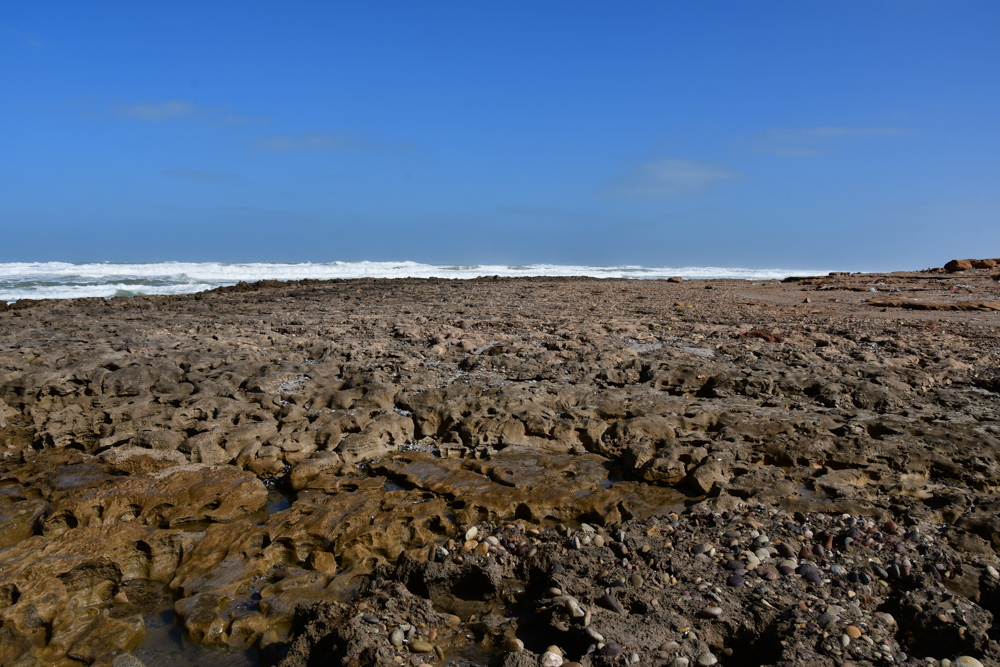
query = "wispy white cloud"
{"x": 805, "y": 141}
{"x": 344, "y": 141}
{"x": 157, "y": 111}
{"x": 670, "y": 178}
{"x": 198, "y": 175}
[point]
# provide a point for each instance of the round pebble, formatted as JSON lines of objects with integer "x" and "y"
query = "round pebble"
{"x": 550, "y": 659}
{"x": 735, "y": 581}
{"x": 420, "y": 646}
{"x": 701, "y": 548}
{"x": 611, "y": 650}
{"x": 710, "y": 612}
{"x": 706, "y": 659}
{"x": 680, "y": 661}
{"x": 967, "y": 661}
{"x": 853, "y": 631}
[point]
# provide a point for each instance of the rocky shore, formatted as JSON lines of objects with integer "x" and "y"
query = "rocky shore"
{"x": 511, "y": 472}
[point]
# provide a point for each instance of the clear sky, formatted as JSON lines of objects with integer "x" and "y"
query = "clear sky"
{"x": 856, "y": 134}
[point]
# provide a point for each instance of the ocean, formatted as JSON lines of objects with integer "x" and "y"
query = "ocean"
{"x": 67, "y": 280}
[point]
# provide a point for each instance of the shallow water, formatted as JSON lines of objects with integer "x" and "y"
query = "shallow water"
{"x": 165, "y": 646}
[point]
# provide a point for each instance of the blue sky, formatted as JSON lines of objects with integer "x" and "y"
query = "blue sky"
{"x": 855, "y": 135}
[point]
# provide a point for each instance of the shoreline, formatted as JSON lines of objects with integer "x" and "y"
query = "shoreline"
{"x": 455, "y": 448}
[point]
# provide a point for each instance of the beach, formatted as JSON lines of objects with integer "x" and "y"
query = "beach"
{"x": 508, "y": 471}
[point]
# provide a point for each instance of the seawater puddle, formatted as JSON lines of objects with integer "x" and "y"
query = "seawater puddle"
{"x": 165, "y": 646}
{"x": 278, "y": 502}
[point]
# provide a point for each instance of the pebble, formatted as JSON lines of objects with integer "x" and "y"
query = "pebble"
{"x": 550, "y": 659}
{"x": 599, "y": 541}
{"x": 636, "y": 580}
{"x": 735, "y": 581}
{"x": 515, "y": 645}
{"x": 420, "y": 646}
{"x": 680, "y": 661}
{"x": 711, "y": 612}
{"x": 701, "y": 548}
{"x": 611, "y": 650}
{"x": 471, "y": 533}
{"x": 992, "y": 571}
{"x": 574, "y": 608}
{"x": 967, "y": 661}
{"x": 853, "y": 631}
{"x": 609, "y": 602}
{"x": 706, "y": 659}
{"x": 396, "y": 638}
{"x": 633, "y": 658}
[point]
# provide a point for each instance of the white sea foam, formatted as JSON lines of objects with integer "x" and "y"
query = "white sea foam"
{"x": 63, "y": 280}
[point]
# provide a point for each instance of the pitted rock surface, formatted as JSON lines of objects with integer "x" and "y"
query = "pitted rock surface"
{"x": 146, "y": 441}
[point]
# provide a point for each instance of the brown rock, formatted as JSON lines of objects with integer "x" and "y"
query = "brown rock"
{"x": 958, "y": 265}
{"x": 703, "y": 478}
